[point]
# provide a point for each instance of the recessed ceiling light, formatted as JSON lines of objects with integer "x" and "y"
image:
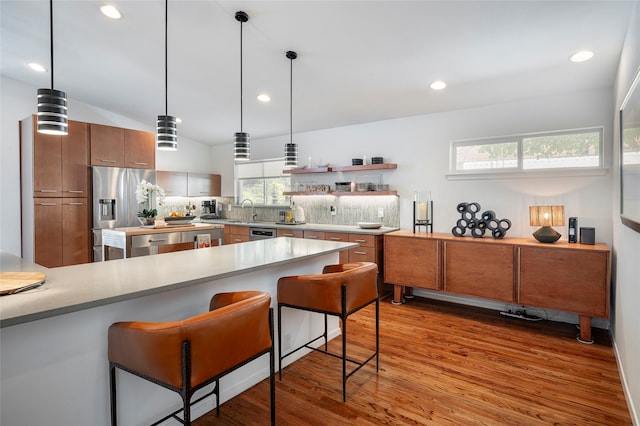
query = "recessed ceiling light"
{"x": 110, "y": 11}
{"x": 438, "y": 85}
{"x": 36, "y": 67}
{"x": 263, "y": 97}
{"x": 583, "y": 55}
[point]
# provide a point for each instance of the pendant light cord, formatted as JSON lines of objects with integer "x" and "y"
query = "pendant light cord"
{"x": 241, "y": 77}
{"x": 166, "y": 71}
{"x": 51, "y": 37}
{"x": 291, "y": 100}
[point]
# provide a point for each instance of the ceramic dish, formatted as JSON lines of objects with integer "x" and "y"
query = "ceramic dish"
{"x": 369, "y": 225}
{"x": 177, "y": 220}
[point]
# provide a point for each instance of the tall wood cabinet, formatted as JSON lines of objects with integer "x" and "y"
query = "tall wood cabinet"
{"x": 560, "y": 276}
{"x": 55, "y": 195}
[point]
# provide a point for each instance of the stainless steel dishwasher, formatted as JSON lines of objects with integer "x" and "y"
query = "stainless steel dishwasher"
{"x": 261, "y": 233}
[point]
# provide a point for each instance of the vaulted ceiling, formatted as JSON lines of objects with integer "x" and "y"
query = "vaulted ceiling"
{"x": 358, "y": 61}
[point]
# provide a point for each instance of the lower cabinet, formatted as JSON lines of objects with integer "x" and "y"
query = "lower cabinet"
{"x": 479, "y": 270}
{"x": 565, "y": 277}
{"x": 61, "y": 231}
{"x": 235, "y": 234}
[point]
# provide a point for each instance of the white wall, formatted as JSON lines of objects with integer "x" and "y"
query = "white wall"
{"x": 18, "y": 101}
{"x": 626, "y": 244}
{"x": 420, "y": 147}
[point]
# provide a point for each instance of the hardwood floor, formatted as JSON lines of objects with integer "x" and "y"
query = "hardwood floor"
{"x": 446, "y": 364}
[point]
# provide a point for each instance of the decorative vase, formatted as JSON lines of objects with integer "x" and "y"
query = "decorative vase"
{"x": 147, "y": 221}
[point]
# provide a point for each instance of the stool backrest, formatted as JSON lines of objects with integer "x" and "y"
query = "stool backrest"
{"x": 219, "y": 340}
{"x": 323, "y": 292}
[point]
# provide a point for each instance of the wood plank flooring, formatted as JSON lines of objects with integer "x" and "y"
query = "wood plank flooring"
{"x": 446, "y": 364}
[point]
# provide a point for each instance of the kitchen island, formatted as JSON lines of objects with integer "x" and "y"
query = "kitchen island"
{"x": 143, "y": 240}
{"x": 53, "y": 339}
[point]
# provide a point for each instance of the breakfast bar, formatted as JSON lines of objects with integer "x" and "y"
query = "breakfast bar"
{"x": 54, "y": 338}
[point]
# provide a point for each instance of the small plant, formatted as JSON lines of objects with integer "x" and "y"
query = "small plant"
{"x": 146, "y": 192}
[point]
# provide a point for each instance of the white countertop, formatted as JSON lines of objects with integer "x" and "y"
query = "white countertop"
{"x": 73, "y": 288}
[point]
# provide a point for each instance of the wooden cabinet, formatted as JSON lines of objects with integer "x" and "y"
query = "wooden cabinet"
{"x": 55, "y": 191}
{"x": 341, "y": 237}
{"x": 107, "y": 146}
{"x": 61, "y": 163}
{"x": 314, "y": 235}
{"x": 293, "y": 233}
{"x": 173, "y": 183}
{"x": 139, "y": 149}
{"x": 182, "y": 184}
{"x": 61, "y": 231}
{"x": 235, "y": 234}
{"x": 118, "y": 147}
{"x": 561, "y": 276}
{"x": 411, "y": 262}
{"x": 566, "y": 280}
{"x": 479, "y": 270}
{"x": 203, "y": 185}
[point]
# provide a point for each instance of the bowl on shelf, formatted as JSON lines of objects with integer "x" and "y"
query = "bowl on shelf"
{"x": 178, "y": 220}
{"x": 369, "y": 225}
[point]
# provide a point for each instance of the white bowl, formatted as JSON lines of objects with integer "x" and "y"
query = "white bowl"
{"x": 369, "y": 225}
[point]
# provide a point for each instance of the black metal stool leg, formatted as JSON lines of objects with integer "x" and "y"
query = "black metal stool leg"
{"x": 280, "y": 341}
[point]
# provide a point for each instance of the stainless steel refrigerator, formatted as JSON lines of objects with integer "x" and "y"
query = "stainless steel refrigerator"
{"x": 114, "y": 201}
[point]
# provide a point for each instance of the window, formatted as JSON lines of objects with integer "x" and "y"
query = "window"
{"x": 263, "y": 182}
{"x": 553, "y": 150}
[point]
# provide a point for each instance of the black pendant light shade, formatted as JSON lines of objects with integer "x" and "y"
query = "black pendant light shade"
{"x": 166, "y": 133}
{"x": 241, "y": 139}
{"x": 52, "y": 104}
{"x": 166, "y": 125}
{"x": 52, "y": 112}
{"x": 291, "y": 149}
{"x": 241, "y": 146}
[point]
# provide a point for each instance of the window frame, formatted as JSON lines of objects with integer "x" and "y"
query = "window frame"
{"x": 519, "y": 170}
{"x": 263, "y": 172}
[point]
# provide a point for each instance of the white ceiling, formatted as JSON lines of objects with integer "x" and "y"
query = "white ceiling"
{"x": 358, "y": 61}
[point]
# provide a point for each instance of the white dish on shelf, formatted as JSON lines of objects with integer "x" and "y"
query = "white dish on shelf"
{"x": 369, "y": 225}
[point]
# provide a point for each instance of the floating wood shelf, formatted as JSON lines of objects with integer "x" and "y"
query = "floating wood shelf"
{"x": 341, "y": 193}
{"x": 384, "y": 166}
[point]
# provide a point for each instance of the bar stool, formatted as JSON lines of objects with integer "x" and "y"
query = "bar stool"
{"x": 185, "y": 356}
{"x": 341, "y": 290}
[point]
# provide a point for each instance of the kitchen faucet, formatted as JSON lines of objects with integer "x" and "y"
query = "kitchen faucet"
{"x": 254, "y": 215}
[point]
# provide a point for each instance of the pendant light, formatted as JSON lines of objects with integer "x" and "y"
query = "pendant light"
{"x": 52, "y": 104}
{"x": 241, "y": 140}
{"x": 291, "y": 149}
{"x": 166, "y": 125}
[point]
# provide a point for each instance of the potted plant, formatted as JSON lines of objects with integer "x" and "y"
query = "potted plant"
{"x": 148, "y": 194}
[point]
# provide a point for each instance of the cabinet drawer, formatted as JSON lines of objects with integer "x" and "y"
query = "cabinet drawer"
{"x": 362, "y": 254}
{"x": 336, "y": 236}
{"x": 294, "y": 233}
{"x": 363, "y": 240}
{"x": 237, "y": 230}
{"x": 314, "y": 235}
{"x": 233, "y": 239}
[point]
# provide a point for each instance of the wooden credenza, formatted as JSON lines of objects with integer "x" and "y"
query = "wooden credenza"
{"x": 565, "y": 277}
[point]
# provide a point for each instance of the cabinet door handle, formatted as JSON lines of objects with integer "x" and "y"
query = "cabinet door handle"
{"x": 109, "y": 161}
{"x": 336, "y": 239}
{"x": 157, "y": 241}
{"x": 359, "y": 241}
{"x": 287, "y": 235}
{"x": 76, "y": 204}
{"x": 48, "y": 204}
{"x": 312, "y": 237}
{"x": 76, "y": 191}
{"x": 48, "y": 190}
{"x": 360, "y": 252}
{"x": 138, "y": 163}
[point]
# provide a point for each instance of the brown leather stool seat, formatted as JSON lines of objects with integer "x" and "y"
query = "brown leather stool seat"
{"x": 185, "y": 356}
{"x": 341, "y": 290}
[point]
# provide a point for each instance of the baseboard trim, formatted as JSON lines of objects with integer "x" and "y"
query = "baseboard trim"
{"x": 635, "y": 416}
